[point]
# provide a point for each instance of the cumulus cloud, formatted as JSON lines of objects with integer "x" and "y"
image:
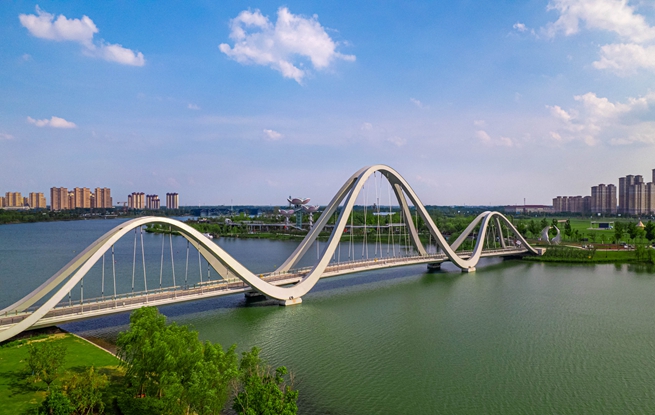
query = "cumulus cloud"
{"x": 53, "y": 122}
{"x": 610, "y": 15}
{"x": 597, "y": 119}
{"x": 416, "y": 102}
{"x": 397, "y": 141}
{"x": 260, "y": 42}
{"x": 625, "y": 59}
{"x": 44, "y": 26}
{"x": 615, "y": 16}
{"x": 272, "y": 135}
{"x": 5, "y": 136}
{"x": 486, "y": 139}
{"x": 520, "y": 27}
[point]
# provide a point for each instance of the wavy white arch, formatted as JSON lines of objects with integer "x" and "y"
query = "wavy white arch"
{"x": 224, "y": 263}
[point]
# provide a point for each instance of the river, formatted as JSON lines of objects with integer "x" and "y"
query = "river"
{"x": 514, "y": 337}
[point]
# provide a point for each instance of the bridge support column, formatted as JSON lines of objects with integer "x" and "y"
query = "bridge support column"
{"x": 254, "y": 294}
{"x": 469, "y": 269}
{"x": 290, "y": 301}
{"x": 435, "y": 266}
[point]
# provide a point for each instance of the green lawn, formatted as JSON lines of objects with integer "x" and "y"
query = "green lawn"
{"x": 17, "y": 396}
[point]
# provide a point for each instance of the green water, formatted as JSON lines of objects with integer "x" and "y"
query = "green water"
{"x": 512, "y": 338}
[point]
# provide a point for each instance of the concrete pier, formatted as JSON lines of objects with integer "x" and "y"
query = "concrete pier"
{"x": 291, "y": 301}
{"x": 469, "y": 269}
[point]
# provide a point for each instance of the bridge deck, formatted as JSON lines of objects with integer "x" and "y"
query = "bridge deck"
{"x": 67, "y": 312}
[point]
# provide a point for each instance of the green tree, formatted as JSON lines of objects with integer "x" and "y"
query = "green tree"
{"x": 85, "y": 391}
{"x": 543, "y": 224}
{"x": 264, "y": 391}
{"x": 619, "y": 229}
{"x": 56, "y": 403}
{"x": 568, "y": 230}
{"x": 45, "y": 359}
{"x": 631, "y": 229}
{"x": 534, "y": 229}
{"x": 650, "y": 230}
{"x": 169, "y": 370}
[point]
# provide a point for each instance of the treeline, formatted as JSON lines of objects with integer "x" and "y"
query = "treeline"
{"x": 166, "y": 370}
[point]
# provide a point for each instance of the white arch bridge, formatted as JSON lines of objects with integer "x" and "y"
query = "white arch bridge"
{"x": 51, "y": 303}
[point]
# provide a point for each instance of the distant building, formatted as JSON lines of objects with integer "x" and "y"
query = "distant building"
{"x": 36, "y": 201}
{"x": 172, "y": 201}
{"x": 572, "y": 204}
{"x": 636, "y": 197}
{"x": 603, "y": 199}
{"x": 152, "y": 202}
{"x": 136, "y": 200}
{"x": 81, "y": 198}
{"x": 2, "y": 201}
{"x": 102, "y": 198}
{"x": 13, "y": 199}
{"x": 59, "y": 198}
{"x": 522, "y": 209}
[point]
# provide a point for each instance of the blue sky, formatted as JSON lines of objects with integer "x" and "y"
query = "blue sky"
{"x": 473, "y": 102}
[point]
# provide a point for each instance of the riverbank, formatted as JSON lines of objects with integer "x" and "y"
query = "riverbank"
{"x": 18, "y": 395}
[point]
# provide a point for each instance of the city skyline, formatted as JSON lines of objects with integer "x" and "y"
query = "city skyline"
{"x": 477, "y": 104}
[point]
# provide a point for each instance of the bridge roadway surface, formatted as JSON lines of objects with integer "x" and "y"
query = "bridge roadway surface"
{"x": 66, "y": 312}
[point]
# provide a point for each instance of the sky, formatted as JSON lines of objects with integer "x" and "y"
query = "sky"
{"x": 472, "y": 102}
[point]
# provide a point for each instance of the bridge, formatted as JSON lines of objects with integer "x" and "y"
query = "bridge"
{"x": 51, "y": 303}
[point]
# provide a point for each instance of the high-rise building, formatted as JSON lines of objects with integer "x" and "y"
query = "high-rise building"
{"x": 36, "y": 201}
{"x": 13, "y": 199}
{"x": 635, "y": 196}
{"x": 172, "y": 201}
{"x": 102, "y": 198}
{"x": 2, "y": 201}
{"x": 136, "y": 200}
{"x": 152, "y": 202}
{"x": 59, "y": 198}
{"x": 603, "y": 199}
{"x": 82, "y": 198}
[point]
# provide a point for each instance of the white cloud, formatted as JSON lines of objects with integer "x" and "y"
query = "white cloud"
{"x": 597, "y": 119}
{"x": 4, "y": 136}
{"x": 26, "y": 57}
{"x": 119, "y": 54}
{"x": 258, "y": 41}
{"x": 520, "y": 27}
{"x": 610, "y": 15}
{"x": 486, "y": 139}
{"x": 272, "y": 135}
{"x": 479, "y": 123}
{"x": 397, "y": 141}
{"x": 53, "y": 122}
{"x": 193, "y": 107}
{"x": 367, "y": 126}
{"x": 416, "y": 102}
{"x": 626, "y": 58}
{"x": 44, "y": 25}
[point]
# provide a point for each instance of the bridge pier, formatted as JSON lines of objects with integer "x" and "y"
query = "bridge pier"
{"x": 469, "y": 269}
{"x": 290, "y": 301}
{"x": 254, "y": 295}
{"x": 434, "y": 266}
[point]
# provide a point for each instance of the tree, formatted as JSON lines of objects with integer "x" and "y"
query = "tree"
{"x": 534, "y": 229}
{"x": 169, "y": 370}
{"x": 56, "y": 403}
{"x": 632, "y": 230}
{"x": 543, "y": 223}
{"x": 650, "y": 230}
{"x": 618, "y": 231}
{"x": 568, "y": 230}
{"x": 263, "y": 391}
{"x": 45, "y": 359}
{"x": 85, "y": 391}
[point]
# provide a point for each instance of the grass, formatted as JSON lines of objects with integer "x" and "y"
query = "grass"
{"x": 19, "y": 396}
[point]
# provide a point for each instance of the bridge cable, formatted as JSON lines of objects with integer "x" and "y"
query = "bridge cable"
{"x": 170, "y": 240}
{"x": 113, "y": 270}
{"x": 186, "y": 269}
{"x": 134, "y": 262}
{"x": 102, "y": 288}
{"x": 143, "y": 261}
{"x": 161, "y": 265}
